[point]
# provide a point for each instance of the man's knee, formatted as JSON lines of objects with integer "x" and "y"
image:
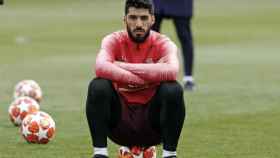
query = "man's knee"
{"x": 171, "y": 90}
{"x": 100, "y": 87}
{"x": 173, "y": 105}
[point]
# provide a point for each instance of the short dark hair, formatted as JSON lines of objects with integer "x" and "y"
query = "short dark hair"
{"x": 146, "y": 4}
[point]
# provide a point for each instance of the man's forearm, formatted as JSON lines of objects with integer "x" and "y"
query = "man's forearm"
{"x": 152, "y": 72}
{"x": 115, "y": 73}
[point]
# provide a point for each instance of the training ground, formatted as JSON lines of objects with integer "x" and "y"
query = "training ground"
{"x": 234, "y": 113}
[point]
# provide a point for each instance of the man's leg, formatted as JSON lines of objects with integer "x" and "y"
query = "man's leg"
{"x": 167, "y": 114}
{"x": 184, "y": 32}
{"x": 101, "y": 101}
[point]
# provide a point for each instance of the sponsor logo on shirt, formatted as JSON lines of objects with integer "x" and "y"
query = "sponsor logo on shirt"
{"x": 149, "y": 60}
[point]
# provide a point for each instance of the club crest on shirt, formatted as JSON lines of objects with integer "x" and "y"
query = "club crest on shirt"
{"x": 122, "y": 59}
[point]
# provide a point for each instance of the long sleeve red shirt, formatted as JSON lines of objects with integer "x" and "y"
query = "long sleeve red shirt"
{"x": 135, "y": 69}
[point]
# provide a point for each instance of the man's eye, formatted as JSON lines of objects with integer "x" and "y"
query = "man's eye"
{"x": 144, "y": 18}
{"x": 133, "y": 17}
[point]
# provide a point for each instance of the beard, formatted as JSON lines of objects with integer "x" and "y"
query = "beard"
{"x": 138, "y": 39}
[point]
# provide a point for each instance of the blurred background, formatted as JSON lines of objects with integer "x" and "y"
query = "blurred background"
{"x": 234, "y": 112}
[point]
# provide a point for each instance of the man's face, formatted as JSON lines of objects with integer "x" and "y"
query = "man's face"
{"x": 138, "y": 22}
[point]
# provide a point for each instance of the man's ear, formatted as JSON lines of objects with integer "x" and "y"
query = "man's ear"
{"x": 153, "y": 19}
{"x": 124, "y": 19}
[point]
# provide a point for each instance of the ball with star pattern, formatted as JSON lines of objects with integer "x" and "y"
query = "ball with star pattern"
{"x": 28, "y": 88}
{"x": 38, "y": 128}
{"x": 137, "y": 152}
{"x": 21, "y": 107}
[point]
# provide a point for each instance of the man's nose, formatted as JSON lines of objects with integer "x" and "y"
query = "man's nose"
{"x": 139, "y": 23}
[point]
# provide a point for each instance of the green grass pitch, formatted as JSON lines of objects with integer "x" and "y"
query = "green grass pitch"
{"x": 234, "y": 113}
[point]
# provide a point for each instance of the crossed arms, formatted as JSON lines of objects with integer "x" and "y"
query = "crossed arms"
{"x": 138, "y": 74}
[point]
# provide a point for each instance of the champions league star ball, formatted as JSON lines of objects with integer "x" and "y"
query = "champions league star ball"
{"x": 38, "y": 128}
{"x": 21, "y": 107}
{"x": 28, "y": 88}
{"x": 137, "y": 152}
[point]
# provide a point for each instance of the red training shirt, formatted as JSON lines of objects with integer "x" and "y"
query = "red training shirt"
{"x": 137, "y": 69}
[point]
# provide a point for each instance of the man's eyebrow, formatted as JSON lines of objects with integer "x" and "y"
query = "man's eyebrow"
{"x": 138, "y": 15}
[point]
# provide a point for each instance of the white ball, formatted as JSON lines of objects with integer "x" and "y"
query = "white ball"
{"x": 137, "y": 152}
{"x": 38, "y": 128}
{"x": 28, "y": 88}
{"x": 21, "y": 107}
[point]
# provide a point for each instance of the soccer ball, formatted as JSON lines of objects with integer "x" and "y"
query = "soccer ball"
{"x": 28, "y": 88}
{"x": 38, "y": 128}
{"x": 137, "y": 152}
{"x": 20, "y": 107}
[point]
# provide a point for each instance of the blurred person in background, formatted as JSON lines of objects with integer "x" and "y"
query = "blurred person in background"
{"x": 181, "y": 12}
{"x": 135, "y": 99}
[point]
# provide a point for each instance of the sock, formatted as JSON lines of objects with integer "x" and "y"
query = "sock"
{"x": 100, "y": 151}
{"x": 188, "y": 78}
{"x": 166, "y": 153}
